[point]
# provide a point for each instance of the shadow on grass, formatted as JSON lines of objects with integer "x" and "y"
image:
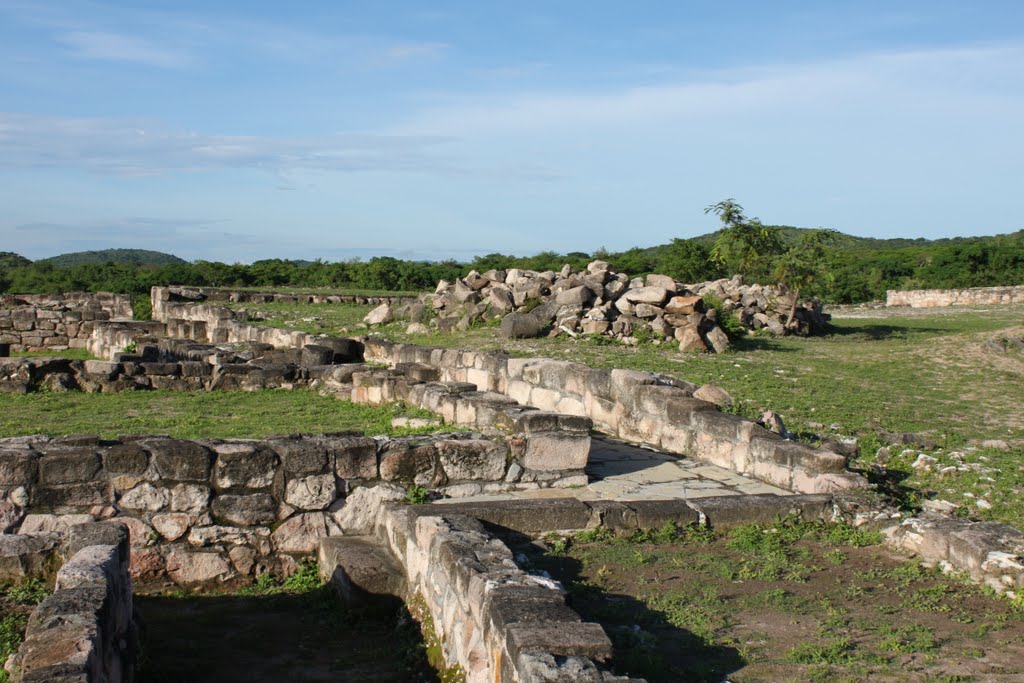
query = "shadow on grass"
{"x": 873, "y": 331}
{"x": 645, "y": 643}
{"x": 308, "y": 637}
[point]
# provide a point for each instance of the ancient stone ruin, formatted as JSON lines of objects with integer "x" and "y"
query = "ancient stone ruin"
{"x": 215, "y": 511}
{"x": 36, "y": 322}
{"x": 970, "y": 296}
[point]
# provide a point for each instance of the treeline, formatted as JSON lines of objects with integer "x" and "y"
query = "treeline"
{"x": 860, "y": 271}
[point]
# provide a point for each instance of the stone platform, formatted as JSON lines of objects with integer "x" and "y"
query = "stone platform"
{"x": 625, "y": 472}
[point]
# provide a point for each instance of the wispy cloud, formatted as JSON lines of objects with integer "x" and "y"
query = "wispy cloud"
{"x": 415, "y": 50}
{"x": 116, "y": 47}
{"x": 953, "y": 79}
{"x": 147, "y": 148}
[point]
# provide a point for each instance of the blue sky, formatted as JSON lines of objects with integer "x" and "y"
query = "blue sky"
{"x": 241, "y": 131}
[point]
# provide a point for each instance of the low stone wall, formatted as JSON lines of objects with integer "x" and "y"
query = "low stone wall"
{"x": 991, "y": 554}
{"x": 36, "y": 322}
{"x": 85, "y": 630}
{"x": 641, "y": 407}
{"x": 200, "y": 294}
{"x": 972, "y": 296}
{"x": 495, "y": 621}
{"x": 646, "y": 408}
{"x": 215, "y": 510}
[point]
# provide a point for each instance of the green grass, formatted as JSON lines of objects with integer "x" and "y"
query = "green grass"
{"x": 341, "y": 291}
{"x": 73, "y": 354}
{"x": 701, "y": 606}
{"x": 334, "y": 319}
{"x": 904, "y": 374}
{"x": 16, "y": 603}
{"x": 234, "y": 414}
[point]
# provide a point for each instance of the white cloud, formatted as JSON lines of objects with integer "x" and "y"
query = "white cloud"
{"x": 415, "y": 50}
{"x": 116, "y": 47}
{"x": 954, "y": 80}
{"x": 145, "y": 148}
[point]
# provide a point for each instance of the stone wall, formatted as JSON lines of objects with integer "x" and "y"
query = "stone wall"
{"x": 85, "y": 630}
{"x": 36, "y": 322}
{"x": 215, "y": 510}
{"x": 641, "y": 407}
{"x": 200, "y": 294}
{"x": 973, "y": 296}
{"x": 645, "y": 408}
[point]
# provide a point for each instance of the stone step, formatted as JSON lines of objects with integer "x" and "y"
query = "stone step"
{"x": 360, "y": 569}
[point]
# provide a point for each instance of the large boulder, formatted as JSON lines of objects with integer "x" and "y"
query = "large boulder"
{"x": 520, "y": 326}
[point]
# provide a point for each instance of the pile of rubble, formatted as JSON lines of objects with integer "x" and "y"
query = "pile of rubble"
{"x": 765, "y": 306}
{"x": 601, "y": 301}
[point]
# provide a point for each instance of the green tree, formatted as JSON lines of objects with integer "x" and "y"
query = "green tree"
{"x": 803, "y": 265}
{"x": 743, "y": 243}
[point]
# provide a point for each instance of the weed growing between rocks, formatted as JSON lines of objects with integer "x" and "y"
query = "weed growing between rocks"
{"x": 16, "y": 603}
{"x": 787, "y": 601}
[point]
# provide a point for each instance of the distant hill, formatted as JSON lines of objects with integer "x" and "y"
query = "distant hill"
{"x": 139, "y": 257}
{"x": 8, "y": 260}
{"x": 852, "y": 242}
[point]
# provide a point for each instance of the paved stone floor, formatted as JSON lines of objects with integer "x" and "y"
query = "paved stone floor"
{"x": 623, "y": 471}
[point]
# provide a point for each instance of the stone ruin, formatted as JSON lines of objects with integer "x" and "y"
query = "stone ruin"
{"x": 601, "y": 301}
{"x": 214, "y": 511}
{"x": 37, "y": 322}
{"x": 969, "y": 296}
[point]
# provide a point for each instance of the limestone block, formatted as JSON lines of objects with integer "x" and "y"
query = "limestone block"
{"x": 17, "y": 467}
{"x": 180, "y": 460}
{"x": 171, "y": 525}
{"x": 302, "y": 533}
{"x": 646, "y": 295}
{"x": 189, "y": 498}
{"x": 145, "y": 497}
{"x": 246, "y": 510}
{"x": 556, "y": 451}
{"x": 301, "y": 455}
{"x": 354, "y": 457}
{"x": 125, "y": 458}
{"x": 315, "y": 492}
{"x": 189, "y": 568}
{"x": 404, "y": 463}
{"x": 361, "y": 509}
{"x": 244, "y": 464}
{"x": 472, "y": 459}
{"x": 75, "y": 465}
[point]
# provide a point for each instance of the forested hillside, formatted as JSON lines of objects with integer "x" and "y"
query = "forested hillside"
{"x": 861, "y": 268}
{"x": 139, "y": 257}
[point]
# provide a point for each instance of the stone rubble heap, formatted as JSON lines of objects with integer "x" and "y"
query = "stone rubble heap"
{"x": 601, "y": 301}
{"x": 764, "y": 306}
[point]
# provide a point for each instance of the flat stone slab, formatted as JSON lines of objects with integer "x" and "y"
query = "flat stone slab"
{"x": 359, "y": 568}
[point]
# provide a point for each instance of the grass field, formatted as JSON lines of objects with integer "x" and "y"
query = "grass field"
{"x": 791, "y": 602}
{"x": 236, "y": 414}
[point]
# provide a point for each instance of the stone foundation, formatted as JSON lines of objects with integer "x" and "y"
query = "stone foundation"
{"x": 37, "y": 322}
{"x": 645, "y": 408}
{"x": 217, "y": 510}
{"x": 973, "y": 296}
